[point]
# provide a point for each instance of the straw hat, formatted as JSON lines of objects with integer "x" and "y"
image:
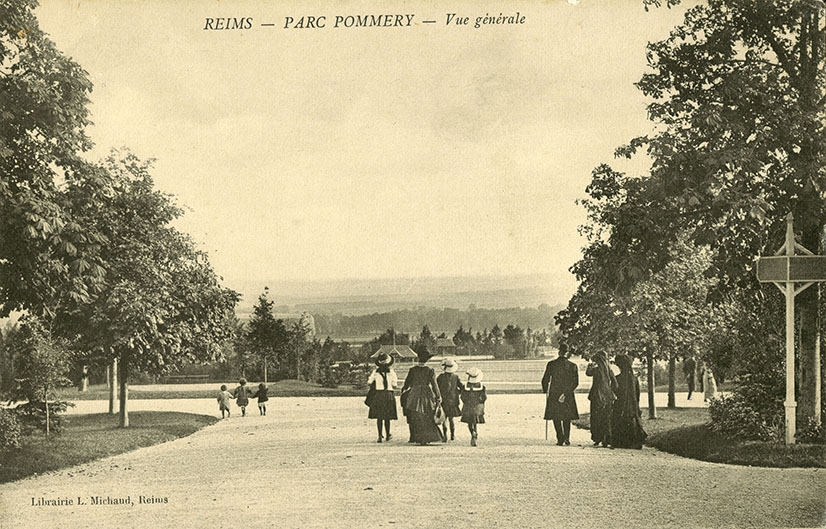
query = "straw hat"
{"x": 449, "y": 365}
{"x": 474, "y": 375}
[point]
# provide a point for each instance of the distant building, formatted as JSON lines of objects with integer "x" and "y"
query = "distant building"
{"x": 400, "y": 353}
{"x": 445, "y": 347}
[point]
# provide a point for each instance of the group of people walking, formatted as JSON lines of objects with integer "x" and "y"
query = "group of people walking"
{"x": 429, "y": 402}
{"x": 242, "y": 395}
{"x": 614, "y": 400}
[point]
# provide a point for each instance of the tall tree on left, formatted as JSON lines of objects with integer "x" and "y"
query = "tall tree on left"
{"x": 49, "y": 263}
{"x": 163, "y": 304}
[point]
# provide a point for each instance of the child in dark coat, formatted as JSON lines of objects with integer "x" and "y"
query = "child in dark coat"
{"x": 449, "y": 386}
{"x": 262, "y": 397}
{"x": 473, "y": 402}
{"x": 242, "y": 396}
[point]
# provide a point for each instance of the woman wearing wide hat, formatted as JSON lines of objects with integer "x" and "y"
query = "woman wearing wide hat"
{"x": 449, "y": 386}
{"x": 383, "y": 402}
{"x": 421, "y": 398}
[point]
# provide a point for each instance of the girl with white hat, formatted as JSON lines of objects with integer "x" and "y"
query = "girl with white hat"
{"x": 449, "y": 386}
{"x": 473, "y": 399}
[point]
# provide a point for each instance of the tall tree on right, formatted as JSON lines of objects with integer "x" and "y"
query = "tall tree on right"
{"x": 739, "y": 93}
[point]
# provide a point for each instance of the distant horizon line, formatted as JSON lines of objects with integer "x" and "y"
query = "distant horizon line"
{"x": 398, "y": 278}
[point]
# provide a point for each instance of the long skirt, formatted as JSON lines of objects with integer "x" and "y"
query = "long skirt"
{"x": 383, "y": 406}
{"x": 600, "y": 422}
{"x": 423, "y": 428}
{"x": 627, "y": 432}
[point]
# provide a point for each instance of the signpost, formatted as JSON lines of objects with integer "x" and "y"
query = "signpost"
{"x": 786, "y": 270}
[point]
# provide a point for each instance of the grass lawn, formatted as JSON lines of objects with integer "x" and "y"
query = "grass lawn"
{"x": 685, "y": 432}
{"x": 282, "y": 388}
{"x": 88, "y": 437}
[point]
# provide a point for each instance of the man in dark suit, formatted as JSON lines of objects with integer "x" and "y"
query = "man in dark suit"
{"x": 559, "y": 382}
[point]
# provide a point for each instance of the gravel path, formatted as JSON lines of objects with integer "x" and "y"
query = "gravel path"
{"x": 314, "y": 463}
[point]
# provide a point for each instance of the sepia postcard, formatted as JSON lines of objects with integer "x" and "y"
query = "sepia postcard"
{"x": 360, "y": 157}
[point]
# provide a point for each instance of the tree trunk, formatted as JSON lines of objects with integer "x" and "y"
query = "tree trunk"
{"x": 652, "y": 409}
{"x": 124, "y": 392}
{"x": 113, "y": 384}
{"x": 46, "y": 402}
{"x": 808, "y": 406}
{"x": 672, "y": 382}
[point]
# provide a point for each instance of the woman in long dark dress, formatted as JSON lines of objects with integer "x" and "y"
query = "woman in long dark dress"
{"x": 626, "y": 427}
{"x": 383, "y": 405}
{"x": 602, "y": 398}
{"x": 421, "y": 396}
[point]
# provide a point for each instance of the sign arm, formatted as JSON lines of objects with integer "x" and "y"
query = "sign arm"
{"x": 781, "y": 286}
{"x": 801, "y": 288}
{"x": 799, "y": 247}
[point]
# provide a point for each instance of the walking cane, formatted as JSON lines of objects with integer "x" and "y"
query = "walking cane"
{"x": 546, "y": 403}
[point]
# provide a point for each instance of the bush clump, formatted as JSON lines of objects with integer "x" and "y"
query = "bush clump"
{"x": 10, "y": 430}
{"x": 735, "y": 417}
{"x": 811, "y": 432}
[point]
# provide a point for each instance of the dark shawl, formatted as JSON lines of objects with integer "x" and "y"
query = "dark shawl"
{"x": 604, "y": 383}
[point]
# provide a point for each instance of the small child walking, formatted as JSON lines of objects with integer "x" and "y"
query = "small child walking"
{"x": 449, "y": 386}
{"x": 224, "y": 397}
{"x": 262, "y": 397}
{"x": 473, "y": 402}
{"x": 242, "y": 396}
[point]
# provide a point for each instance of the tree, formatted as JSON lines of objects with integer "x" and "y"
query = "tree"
{"x": 163, "y": 305}
{"x": 514, "y": 336}
{"x": 739, "y": 95}
{"x": 42, "y": 366}
{"x": 48, "y": 261}
{"x": 265, "y": 335}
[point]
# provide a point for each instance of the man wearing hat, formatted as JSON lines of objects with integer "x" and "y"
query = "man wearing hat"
{"x": 559, "y": 382}
{"x": 421, "y": 397}
{"x": 449, "y": 386}
{"x": 383, "y": 403}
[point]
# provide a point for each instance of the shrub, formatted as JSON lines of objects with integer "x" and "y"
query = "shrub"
{"x": 357, "y": 376}
{"x": 811, "y": 432}
{"x": 330, "y": 377}
{"x": 9, "y": 429}
{"x": 33, "y": 415}
{"x": 734, "y": 417}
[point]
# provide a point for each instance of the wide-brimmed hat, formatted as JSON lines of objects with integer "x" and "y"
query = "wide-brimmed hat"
{"x": 423, "y": 354}
{"x": 384, "y": 359}
{"x": 474, "y": 374}
{"x": 449, "y": 365}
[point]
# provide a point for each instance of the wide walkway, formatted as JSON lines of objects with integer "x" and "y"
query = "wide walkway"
{"x": 314, "y": 463}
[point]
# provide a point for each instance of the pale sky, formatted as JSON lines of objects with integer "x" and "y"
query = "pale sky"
{"x": 368, "y": 152}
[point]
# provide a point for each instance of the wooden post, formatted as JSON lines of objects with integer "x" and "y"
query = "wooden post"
{"x": 790, "y": 404}
{"x": 124, "y": 393}
{"x": 113, "y": 385}
{"x": 652, "y": 408}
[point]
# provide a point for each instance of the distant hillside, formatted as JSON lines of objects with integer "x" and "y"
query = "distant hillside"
{"x": 366, "y": 296}
{"x": 446, "y": 320}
